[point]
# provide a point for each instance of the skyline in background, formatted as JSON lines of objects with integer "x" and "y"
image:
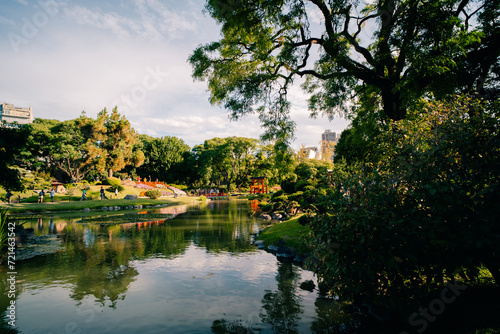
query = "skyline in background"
{"x": 65, "y": 57}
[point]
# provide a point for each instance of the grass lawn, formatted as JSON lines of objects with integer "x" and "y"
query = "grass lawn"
{"x": 289, "y": 231}
{"x": 65, "y": 202}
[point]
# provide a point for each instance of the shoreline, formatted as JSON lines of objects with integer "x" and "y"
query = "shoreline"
{"x": 19, "y": 209}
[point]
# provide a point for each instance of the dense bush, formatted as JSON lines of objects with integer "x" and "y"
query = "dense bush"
{"x": 114, "y": 187}
{"x": 306, "y": 176}
{"x": 426, "y": 213}
{"x": 265, "y": 206}
{"x": 154, "y": 194}
{"x": 277, "y": 194}
{"x": 112, "y": 181}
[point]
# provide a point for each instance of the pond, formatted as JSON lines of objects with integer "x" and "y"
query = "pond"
{"x": 196, "y": 273}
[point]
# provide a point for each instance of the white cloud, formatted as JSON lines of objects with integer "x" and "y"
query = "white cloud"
{"x": 87, "y": 56}
{"x": 117, "y": 24}
{"x": 157, "y": 19}
{"x": 150, "y": 20}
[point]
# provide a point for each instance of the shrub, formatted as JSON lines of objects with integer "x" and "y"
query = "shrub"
{"x": 179, "y": 186}
{"x": 112, "y": 181}
{"x": 3, "y": 228}
{"x": 265, "y": 207}
{"x": 434, "y": 191}
{"x": 277, "y": 194}
{"x": 153, "y": 194}
{"x": 113, "y": 188}
{"x": 264, "y": 197}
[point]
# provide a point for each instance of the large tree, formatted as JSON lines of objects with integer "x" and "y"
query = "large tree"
{"x": 164, "y": 158}
{"x": 12, "y": 142}
{"x": 39, "y": 140}
{"x": 68, "y": 148}
{"x": 229, "y": 160}
{"x": 402, "y": 50}
{"x": 112, "y": 144}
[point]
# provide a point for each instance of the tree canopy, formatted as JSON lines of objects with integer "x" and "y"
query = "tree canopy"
{"x": 112, "y": 144}
{"x": 164, "y": 158}
{"x": 228, "y": 160}
{"x": 402, "y": 50}
{"x": 12, "y": 142}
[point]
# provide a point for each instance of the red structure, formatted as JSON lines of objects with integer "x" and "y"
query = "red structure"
{"x": 258, "y": 186}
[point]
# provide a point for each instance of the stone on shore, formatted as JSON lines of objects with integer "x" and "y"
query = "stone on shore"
{"x": 133, "y": 197}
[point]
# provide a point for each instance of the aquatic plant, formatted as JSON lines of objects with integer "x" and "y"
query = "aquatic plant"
{"x": 3, "y": 229}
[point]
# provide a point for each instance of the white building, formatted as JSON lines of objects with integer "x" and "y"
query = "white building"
{"x": 311, "y": 152}
{"x": 10, "y": 114}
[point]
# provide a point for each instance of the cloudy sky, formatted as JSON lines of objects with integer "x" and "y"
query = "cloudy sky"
{"x": 65, "y": 56}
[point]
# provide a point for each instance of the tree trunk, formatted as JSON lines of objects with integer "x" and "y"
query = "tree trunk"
{"x": 110, "y": 173}
{"x": 392, "y": 104}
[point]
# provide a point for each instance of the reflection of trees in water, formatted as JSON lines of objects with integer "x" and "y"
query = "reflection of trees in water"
{"x": 97, "y": 258}
{"x": 281, "y": 309}
{"x": 334, "y": 317}
{"x": 100, "y": 258}
{"x": 230, "y": 327}
{"x": 105, "y": 283}
{"x": 223, "y": 226}
{"x": 103, "y": 254}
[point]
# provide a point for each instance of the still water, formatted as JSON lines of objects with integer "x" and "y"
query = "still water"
{"x": 196, "y": 273}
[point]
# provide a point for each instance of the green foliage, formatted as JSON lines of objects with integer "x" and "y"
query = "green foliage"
{"x": 179, "y": 186}
{"x": 398, "y": 52}
{"x": 112, "y": 181}
{"x": 230, "y": 161}
{"x": 63, "y": 144}
{"x": 154, "y": 193}
{"x": 35, "y": 180}
{"x": 165, "y": 158}
{"x": 4, "y": 232}
{"x": 12, "y": 143}
{"x": 116, "y": 186}
{"x": 361, "y": 141}
{"x": 307, "y": 174}
{"x": 266, "y": 206}
{"x": 112, "y": 144}
{"x": 434, "y": 191}
{"x": 277, "y": 194}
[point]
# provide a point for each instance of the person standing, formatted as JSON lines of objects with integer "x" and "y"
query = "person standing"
{"x": 52, "y": 194}
{"x": 8, "y": 195}
{"x": 116, "y": 192}
{"x": 102, "y": 193}
{"x": 84, "y": 194}
{"x": 40, "y": 196}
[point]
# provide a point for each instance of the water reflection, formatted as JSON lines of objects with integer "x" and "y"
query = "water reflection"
{"x": 281, "y": 308}
{"x": 174, "y": 276}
